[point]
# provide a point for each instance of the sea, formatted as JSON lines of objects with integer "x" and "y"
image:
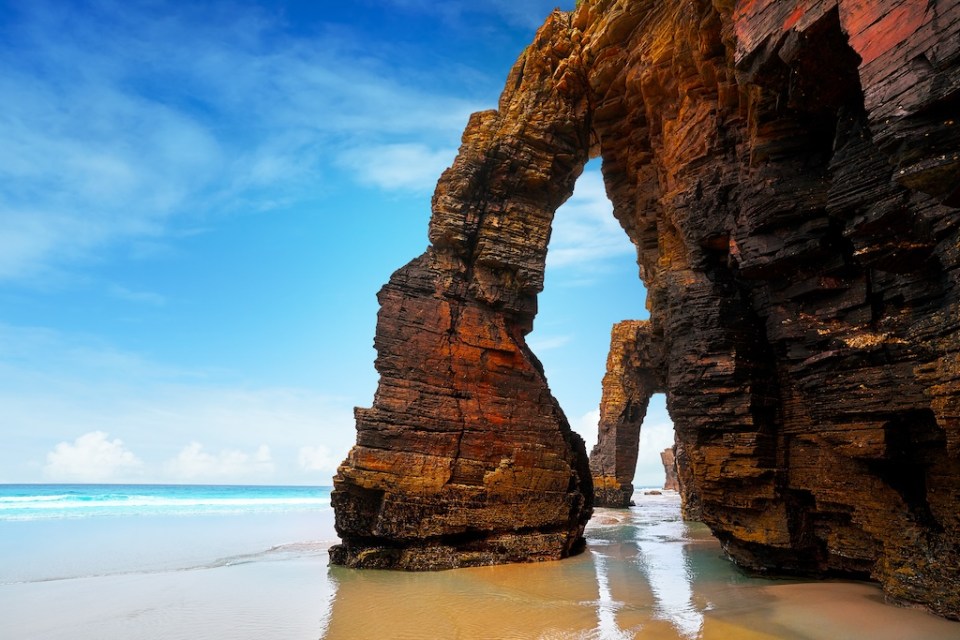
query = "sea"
{"x": 143, "y": 562}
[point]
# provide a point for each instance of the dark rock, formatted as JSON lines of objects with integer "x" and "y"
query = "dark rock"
{"x": 465, "y": 458}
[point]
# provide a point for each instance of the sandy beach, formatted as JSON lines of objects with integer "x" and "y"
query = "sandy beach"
{"x": 646, "y": 574}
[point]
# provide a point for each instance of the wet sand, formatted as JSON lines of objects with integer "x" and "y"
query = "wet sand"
{"x": 646, "y": 574}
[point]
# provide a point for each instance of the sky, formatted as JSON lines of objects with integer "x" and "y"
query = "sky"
{"x": 199, "y": 203}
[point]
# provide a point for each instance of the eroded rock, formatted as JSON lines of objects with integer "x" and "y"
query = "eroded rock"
{"x": 671, "y": 481}
{"x": 465, "y": 457}
{"x": 789, "y": 173}
{"x": 634, "y": 373}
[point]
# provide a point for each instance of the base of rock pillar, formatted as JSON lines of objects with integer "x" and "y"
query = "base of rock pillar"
{"x": 612, "y": 497}
{"x": 502, "y": 549}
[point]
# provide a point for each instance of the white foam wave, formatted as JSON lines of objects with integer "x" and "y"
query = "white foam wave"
{"x": 22, "y": 499}
{"x": 128, "y": 502}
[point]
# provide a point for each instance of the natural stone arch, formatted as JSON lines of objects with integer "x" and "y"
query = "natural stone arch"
{"x": 798, "y": 236}
{"x": 465, "y": 457}
{"x": 635, "y": 372}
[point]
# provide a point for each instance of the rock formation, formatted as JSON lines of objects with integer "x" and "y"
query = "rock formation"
{"x": 465, "y": 457}
{"x": 671, "y": 481}
{"x": 634, "y": 374}
{"x": 789, "y": 172}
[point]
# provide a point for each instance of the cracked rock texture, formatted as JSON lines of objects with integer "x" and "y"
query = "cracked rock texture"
{"x": 789, "y": 172}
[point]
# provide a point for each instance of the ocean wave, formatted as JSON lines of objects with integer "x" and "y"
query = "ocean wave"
{"x": 76, "y": 501}
{"x": 70, "y": 502}
{"x": 21, "y": 499}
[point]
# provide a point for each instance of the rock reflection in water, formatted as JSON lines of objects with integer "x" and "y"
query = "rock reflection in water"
{"x": 667, "y": 566}
{"x": 646, "y": 574}
{"x": 607, "y": 607}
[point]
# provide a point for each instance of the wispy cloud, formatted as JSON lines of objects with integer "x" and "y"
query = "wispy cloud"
{"x": 539, "y": 344}
{"x": 140, "y": 297}
{"x": 585, "y": 233}
{"x": 410, "y": 166}
{"x": 125, "y": 121}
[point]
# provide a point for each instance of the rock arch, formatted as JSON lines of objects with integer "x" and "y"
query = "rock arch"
{"x": 635, "y": 372}
{"x": 789, "y": 173}
{"x": 465, "y": 457}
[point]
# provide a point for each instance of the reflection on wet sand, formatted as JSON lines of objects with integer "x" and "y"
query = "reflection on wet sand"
{"x": 664, "y": 560}
{"x": 646, "y": 575}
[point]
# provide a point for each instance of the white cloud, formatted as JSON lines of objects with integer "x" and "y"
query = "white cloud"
{"x": 540, "y": 344}
{"x": 141, "y": 297}
{"x": 318, "y": 458}
{"x": 587, "y": 425}
{"x": 398, "y": 166}
{"x": 585, "y": 233}
{"x": 193, "y": 463}
{"x": 60, "y": 385}
{"x": 91, "y": 458}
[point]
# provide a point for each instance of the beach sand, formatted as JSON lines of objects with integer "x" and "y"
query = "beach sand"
{"x": 645, "y": 575}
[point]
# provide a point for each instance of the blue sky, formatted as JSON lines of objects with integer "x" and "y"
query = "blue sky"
{"x": 198, "y": 204}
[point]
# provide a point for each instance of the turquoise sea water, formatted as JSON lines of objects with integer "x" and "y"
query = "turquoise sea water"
{"x": 57, "y": 501}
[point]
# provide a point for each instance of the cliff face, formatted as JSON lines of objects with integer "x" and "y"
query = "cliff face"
{"x": 790, "y": 174}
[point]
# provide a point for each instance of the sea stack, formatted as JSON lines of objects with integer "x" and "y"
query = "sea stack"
{"x": 790, "y": 175}
{"x": 671, "y": 481}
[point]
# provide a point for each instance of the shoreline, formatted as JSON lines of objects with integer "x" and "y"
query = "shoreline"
{"x": 645, "y": 574}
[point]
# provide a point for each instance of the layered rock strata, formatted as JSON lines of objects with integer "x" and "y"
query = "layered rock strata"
{"x": 634, "y": 373}
{"x": 790, "y": 174}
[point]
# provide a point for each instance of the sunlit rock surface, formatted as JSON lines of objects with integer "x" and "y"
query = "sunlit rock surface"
{"x": 789, "y": 172}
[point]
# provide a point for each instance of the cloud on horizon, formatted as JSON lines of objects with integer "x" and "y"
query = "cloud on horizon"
{"x": 92, "y": 458}
{"x": 54, "y": 386}
{"x": 193, "y": 463}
